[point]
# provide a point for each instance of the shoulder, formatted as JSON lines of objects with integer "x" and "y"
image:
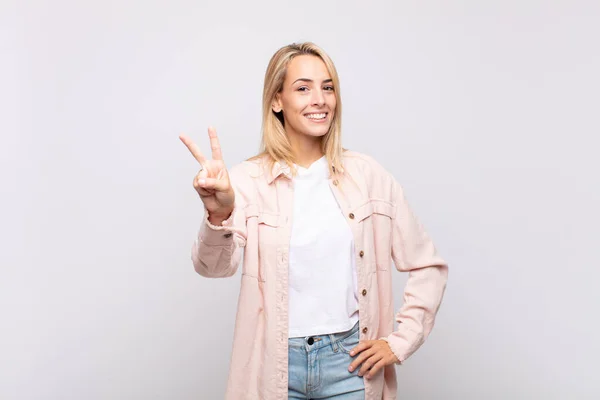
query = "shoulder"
{"x": 379, "y": 182}
{"x": 245, "y": 174}
{"x": 247, "y": 169}
{"x": 361, "y": 163}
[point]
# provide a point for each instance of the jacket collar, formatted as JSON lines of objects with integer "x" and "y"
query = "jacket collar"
{"x": 281, "y": 168}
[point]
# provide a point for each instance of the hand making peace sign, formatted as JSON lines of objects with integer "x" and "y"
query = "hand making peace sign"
{"x": 212, "y": 181}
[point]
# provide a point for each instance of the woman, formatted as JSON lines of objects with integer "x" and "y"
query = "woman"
{"x": 319, "y": 226}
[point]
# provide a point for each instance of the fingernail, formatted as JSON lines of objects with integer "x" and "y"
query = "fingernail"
{"x": 350, "y": 369}
{"x": 351, "y": 353}
{"x": 201, "y": 181}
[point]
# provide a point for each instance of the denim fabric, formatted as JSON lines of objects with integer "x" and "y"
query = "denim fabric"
{"x": 320, "y": 370}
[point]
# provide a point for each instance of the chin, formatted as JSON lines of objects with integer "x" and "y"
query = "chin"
{"x": 317, "y": 131}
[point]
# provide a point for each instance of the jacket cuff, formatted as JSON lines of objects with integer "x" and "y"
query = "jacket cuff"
{"x": 385, "y": 339}
{"x": 403, "y": 343}
{"x": 217, "y": 235}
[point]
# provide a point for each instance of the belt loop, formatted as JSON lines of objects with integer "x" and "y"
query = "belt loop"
{"x": 334, "y": 343}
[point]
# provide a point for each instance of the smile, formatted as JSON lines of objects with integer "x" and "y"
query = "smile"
{"x": 316, "y": 116}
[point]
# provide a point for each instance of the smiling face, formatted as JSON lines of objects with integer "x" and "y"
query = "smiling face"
{"x": 307, "y": 98}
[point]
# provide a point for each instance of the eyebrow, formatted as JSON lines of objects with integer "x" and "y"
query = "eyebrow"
{"x": 310, "y": 80}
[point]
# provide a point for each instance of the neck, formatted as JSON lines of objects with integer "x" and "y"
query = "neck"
{"x": 307, "y": 149}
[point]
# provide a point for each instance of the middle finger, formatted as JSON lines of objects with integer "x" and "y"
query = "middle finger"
{"x": 366, "y": 366}
{"x": 215, "y": 146}
{"x": 365, "y": 354}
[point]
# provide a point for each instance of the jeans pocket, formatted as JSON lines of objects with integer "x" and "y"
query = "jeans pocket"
{"x": 348, "y": 343}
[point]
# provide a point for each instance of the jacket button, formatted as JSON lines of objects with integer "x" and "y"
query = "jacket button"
{"x": 310, "y": 340}
{"x": 227, "y": 235}
{"x": 364, "y": 292}
{"x": 365, "y": 329}
{"x": 362, "y": 253}
{"x": 351, "y": 215}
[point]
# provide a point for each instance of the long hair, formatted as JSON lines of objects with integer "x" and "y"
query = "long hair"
{"x": 275, "y": 144}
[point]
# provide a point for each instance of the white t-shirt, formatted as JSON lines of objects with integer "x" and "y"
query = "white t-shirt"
{"x": 322, "y": 272}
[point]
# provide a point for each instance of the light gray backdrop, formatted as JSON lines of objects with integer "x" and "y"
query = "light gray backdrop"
{"x": 487, "y": 112}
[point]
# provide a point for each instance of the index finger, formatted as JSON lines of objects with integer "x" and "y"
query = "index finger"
{"x": 360, "y": 347}
{"x": 214, "y": 144}
{"x": 193, "y": 148}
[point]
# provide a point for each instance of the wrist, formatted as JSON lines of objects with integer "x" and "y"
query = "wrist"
{"x": 218, "y": 217}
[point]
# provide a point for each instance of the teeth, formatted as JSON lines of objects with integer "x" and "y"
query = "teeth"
{"x": 316, "y": 116}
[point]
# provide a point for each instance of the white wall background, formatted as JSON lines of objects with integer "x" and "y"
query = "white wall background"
{"x": 487, "y": 112}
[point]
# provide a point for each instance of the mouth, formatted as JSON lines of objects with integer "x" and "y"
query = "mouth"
{"x": 317, "y": 117}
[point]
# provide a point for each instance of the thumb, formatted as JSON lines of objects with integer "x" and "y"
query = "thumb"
{"x": 220, "y": 185}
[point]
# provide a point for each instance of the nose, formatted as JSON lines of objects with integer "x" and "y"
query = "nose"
{"x": 318, "y": 97}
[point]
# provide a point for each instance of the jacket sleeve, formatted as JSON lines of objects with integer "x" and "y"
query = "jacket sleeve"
{"x": 217, "y": 250}
{"x": 414, "y": 252}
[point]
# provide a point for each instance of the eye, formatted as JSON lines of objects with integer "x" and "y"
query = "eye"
{"x": 328, "y": 88}
{"x": 302, "y": 89}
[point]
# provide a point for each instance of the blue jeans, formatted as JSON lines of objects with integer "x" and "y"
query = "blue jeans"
{"x": 318, "y": 367}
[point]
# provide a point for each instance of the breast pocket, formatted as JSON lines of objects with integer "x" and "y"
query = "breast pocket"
{"x": 268, "y": 225}
{"x": 261, "y": 246}
{"x": 268, "y": 241}
{"x": 376, "y": 218}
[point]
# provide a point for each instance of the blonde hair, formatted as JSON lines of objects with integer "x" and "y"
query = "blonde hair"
{"x": 275, "y": 144}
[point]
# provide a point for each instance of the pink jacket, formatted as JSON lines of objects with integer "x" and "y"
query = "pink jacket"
{"x": 384, "y": 229}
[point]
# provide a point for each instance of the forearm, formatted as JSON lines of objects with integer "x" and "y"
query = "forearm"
{"x": 217, "y": 250}
{"x": 423, "y": 295}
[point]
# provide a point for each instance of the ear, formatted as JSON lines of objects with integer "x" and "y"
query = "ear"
{"x": 276, "y": 105}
